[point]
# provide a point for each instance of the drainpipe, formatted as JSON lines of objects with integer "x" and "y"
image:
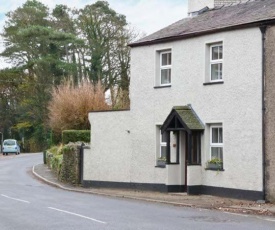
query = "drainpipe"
{"x": 263, "y": 31}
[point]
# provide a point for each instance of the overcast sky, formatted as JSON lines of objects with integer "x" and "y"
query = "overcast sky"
{"x": 145, "y": 16}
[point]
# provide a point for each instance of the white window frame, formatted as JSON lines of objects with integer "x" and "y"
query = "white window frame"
{"x": 164, "y": 67}
{"x": 162, "y": 144}
{"x": 216, "y": 144}
{"x": 217, "y": 61}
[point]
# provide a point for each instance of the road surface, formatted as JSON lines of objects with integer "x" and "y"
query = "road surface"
{"x": 28, "y": 204}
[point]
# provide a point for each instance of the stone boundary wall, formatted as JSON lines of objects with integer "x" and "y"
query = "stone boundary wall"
{"x": 70, "y": 166}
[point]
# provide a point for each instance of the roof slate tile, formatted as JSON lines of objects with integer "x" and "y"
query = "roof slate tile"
{"x": 215, "y": 19}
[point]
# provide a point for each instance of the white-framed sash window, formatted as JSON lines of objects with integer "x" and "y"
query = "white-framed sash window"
{"x": 165, "y": 67}
{"x": 216, "y": 142}
{"x": 216, "y": 62}
{"x": 163, "y": 145}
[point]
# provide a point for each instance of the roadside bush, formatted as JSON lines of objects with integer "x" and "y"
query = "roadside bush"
{"x": 54, "y": 158}
{"x": 33, "y": 146}
{"x": 75, "y": 136}
{"x": 70, "y": 105}
{"x": 56, "y": 149}
{"x": 56, "y": 163}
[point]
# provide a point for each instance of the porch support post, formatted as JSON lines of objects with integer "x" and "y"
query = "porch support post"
{"x": 168, "y": 148}
{"x": 189, "y": 138}
{"x": 178, "y": 147}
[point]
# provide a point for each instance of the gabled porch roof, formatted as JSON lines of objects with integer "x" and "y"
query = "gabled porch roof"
{"x": 182, "y": 118}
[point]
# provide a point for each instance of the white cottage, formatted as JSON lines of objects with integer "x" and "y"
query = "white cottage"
{"x": 201, "y": 91}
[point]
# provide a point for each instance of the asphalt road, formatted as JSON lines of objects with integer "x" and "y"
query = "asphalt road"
{"x": 28, "y": 204}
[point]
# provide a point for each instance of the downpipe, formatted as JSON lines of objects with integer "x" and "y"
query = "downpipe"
{"x": 263, "y": 31}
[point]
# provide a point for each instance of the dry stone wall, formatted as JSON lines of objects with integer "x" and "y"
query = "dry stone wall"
{"x": 70, "y": 165}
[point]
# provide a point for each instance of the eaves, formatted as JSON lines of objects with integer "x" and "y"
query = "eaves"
{"x": 204, "y": 32}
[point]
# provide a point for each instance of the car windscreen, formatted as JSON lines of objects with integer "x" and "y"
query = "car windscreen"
{"x": 10, "y": 142}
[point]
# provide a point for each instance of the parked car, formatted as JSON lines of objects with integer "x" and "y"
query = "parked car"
{"x": 11, "y": 146}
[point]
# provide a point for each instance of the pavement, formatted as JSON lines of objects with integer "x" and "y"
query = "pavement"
{"x": 244, "y": 207}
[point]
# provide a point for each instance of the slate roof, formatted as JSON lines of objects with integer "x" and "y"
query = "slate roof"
{"x": 187, "y": 116}
{"x": 251, "y": 13}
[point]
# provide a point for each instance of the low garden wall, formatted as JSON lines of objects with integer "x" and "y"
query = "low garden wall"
{"x": 66, "y": 163}
{"x": 70, "y": 166}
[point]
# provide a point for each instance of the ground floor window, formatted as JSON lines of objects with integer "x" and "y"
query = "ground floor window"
{"x": 167, "y": 147}
{"x": 216, "y": 147}
{"x": 216, "y": 143}
{"x": 163, "y": 145}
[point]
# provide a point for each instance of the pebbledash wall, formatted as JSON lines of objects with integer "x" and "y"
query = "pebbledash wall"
{"x": 270, "y": 113}
{"x": 123, "y": 143}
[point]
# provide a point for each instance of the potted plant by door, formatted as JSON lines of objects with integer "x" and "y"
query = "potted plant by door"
{"x": 215, "y": 164}
{"x": 161, "y": 161}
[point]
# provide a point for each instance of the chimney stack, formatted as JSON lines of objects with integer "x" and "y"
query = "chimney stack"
{"x": 218, "y": 3}
{"x": 196, "y": 5}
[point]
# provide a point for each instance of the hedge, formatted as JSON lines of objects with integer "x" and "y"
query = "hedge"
{"x": 75, "y": 136}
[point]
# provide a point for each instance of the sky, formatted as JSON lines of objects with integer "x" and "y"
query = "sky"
{"x": 145, "y": 16}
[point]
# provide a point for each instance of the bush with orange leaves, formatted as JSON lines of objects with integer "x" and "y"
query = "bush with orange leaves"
{"x": 70, "y": 105}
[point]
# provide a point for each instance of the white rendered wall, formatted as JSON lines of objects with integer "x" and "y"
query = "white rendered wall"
{"x": 236, "y": 103}
{"x": 119, "y": 156}
{"x": 110, "y": 155}
{"x": 194, "y": 175}
{"x": 113, "y": 157}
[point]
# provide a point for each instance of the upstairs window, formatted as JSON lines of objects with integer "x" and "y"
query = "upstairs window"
{"x": 216, "y": 62}
{"x": 165, "y": 67}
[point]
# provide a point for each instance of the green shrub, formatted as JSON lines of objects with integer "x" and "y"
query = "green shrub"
{"x": 56, "y": 150}
{"x": 56, "y": 163}
{"x": 54, "y": 158}
{"x": 75, "y": 136}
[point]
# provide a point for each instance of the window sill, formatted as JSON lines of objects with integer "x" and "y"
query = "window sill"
{"x": 160, "y": 166}
{"x": 215, "y": 169}
{"x": 198, "y": 164}
{"x": 213, "y": 83}
{"x": 164, "y": 165}
{"x": 162, "y": 86}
